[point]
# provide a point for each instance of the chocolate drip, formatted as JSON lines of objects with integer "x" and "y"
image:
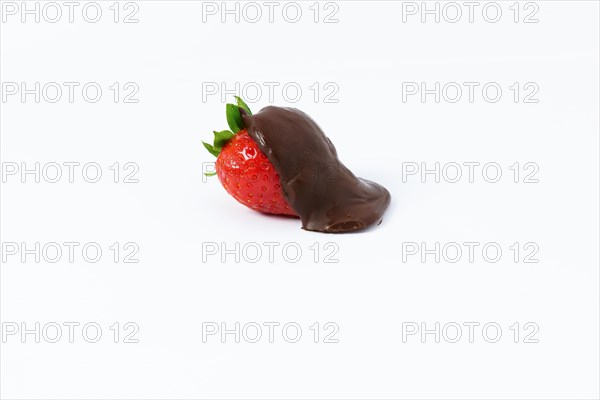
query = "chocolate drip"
{"x": 326, "y": 195}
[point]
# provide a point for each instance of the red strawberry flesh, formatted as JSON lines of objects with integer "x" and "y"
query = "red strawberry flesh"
{"x": 249, "y": 177}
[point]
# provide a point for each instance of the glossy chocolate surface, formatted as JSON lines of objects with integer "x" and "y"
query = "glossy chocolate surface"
{"x": 326, "y": 195}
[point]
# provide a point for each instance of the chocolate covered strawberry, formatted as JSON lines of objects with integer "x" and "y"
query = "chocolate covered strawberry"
{"x": 243, "y": 169}
{"x": 280, "y": 161}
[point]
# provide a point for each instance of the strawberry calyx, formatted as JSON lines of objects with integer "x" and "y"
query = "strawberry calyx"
{"x": 236, "y": 124}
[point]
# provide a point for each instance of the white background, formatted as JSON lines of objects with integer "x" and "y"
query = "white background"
{"x": 370, "y": 292}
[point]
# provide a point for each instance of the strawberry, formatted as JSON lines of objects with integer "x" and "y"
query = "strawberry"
{"x": 243, "y": 169}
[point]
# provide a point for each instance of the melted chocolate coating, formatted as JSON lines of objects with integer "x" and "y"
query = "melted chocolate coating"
{"x": 326, "y": 195}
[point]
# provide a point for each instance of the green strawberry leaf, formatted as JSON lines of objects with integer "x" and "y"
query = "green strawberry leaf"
{"x": 236, "y": 124}
{"x": 221, "y": 138}
{"x": 243, "y": 105}
{"x": 234, "y": 118}
{"x": 211, "y": 149}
